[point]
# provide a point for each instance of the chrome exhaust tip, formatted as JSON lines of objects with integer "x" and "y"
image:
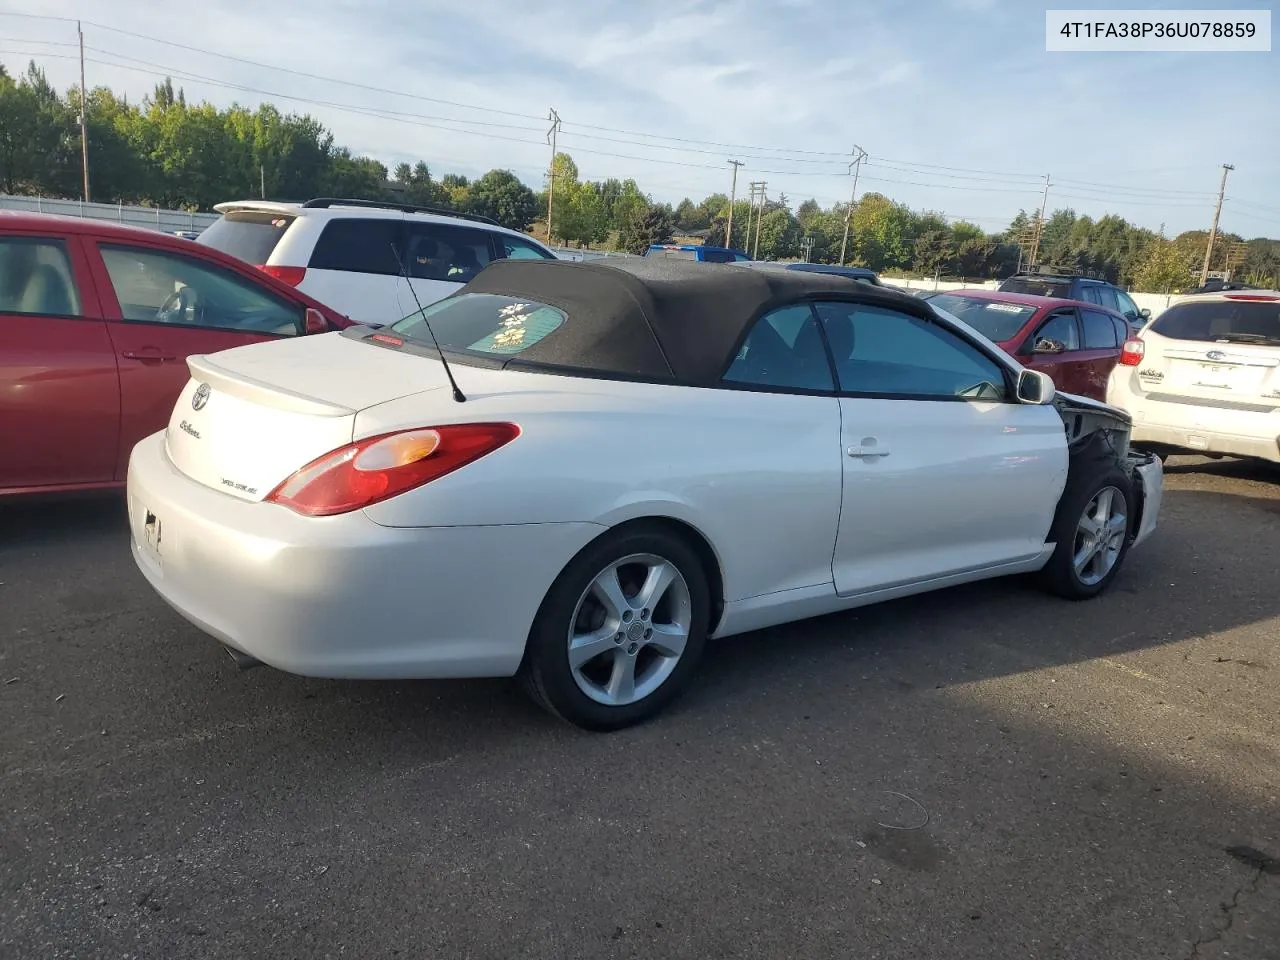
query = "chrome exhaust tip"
{"x": 242, "y": 659}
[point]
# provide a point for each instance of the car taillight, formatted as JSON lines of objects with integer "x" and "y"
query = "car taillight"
{"x": 377, "y": 468}
{"x": 290, "y": 275}
{"x": 1132, "y": 352}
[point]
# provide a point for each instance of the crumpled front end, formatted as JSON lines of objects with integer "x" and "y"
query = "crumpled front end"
{"x": 1100, "y": 431}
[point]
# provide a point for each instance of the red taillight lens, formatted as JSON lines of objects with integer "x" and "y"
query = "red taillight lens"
{"x": 1250, "y": 296}
{"x": 1132, "y": 352}
{"x": 290, "y": 275}
{"x": 374, "y": 469}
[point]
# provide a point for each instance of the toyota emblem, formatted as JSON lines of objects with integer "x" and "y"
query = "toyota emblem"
{"x": 1216, "y": 355}
{"x": 201, "y": 397}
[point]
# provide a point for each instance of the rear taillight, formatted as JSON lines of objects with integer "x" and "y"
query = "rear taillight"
{"x": 376, "y": 468}
{"x": 1132, "y": 352}
{"x": 290, "y": 275}
{"x": 1250, "y": 296}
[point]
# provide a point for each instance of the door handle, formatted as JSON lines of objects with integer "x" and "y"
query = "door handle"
{"x": 868, "y": 449}
{"x": 147, "y": 355}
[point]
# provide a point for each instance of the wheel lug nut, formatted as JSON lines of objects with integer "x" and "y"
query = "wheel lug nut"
{"x": 648, "y": 634}
{"x": 626, "y": 616}
{"x": 644, "y": 614}
{"x": 617, "y": 638}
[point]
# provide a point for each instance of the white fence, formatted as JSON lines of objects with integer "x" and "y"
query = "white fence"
{"x": 153, "y": 218}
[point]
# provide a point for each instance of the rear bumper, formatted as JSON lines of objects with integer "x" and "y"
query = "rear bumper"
{"x": 1203, "y": 428}
{"x": 341, "y": 596}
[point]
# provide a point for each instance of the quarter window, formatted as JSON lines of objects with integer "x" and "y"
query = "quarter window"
{"x": 886, "y": 353}
{"x": 783, "y": 350}
{"x": 35, "y": 278}
{"x": 158, "y": 287}
{"x": 359, "y": 245}
{"x": 1099, "y": 331}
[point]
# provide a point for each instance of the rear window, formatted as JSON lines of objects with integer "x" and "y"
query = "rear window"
{"x": 673, "y": 254}
{"x": 1037, "y": 287}
{"x": 995, "y": 320}
{"x": 356, "y": 245}
{"x": 1242, "y": 321}
{"x": 482, "y": 323}
{"x": 248, "y": 235}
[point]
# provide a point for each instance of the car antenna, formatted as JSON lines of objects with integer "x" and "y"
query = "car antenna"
{"x": 404, "y": 272}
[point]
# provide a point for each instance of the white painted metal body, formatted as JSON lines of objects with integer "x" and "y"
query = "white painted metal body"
{"x": 802, "y": 514}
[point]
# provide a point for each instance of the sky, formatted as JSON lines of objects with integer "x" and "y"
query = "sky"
{"x": 956, "y": 102}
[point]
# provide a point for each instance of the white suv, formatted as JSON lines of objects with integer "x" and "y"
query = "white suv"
{"x": 354, "y": 255}
{"x": 1204, "y": 377}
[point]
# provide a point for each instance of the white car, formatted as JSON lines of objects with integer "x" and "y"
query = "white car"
{"x": 637, "y": 454}
{"x": 1204, "y": 377}
{"x": 360, "y": 257}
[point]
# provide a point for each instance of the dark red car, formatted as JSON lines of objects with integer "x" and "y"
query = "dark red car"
{"x": 96, "y": 323}
{"x": 1074, "y": 342}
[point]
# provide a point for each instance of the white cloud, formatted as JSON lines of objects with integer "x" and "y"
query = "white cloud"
{"x": 947, "y": 83}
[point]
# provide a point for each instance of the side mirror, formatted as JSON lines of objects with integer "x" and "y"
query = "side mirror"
{"x": 314, "y": 321}
{"x": 1145, "y": 313}
{"x": 1046, "y": 345}
{"x": 1035, "y": 387}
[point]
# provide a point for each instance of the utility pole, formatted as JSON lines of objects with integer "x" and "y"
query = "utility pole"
{"x": 806, "y": 244}
{"x": 262, "y": 180}
{"x": 733, "y": 195}
{"x": 754, "y": 187}
{"x": 84, "y": 117}
{"x": 858, "y": 156}
{"x": 1035, "y": 244}
{"x": 755, "y": 253}
{"x": 1213, "y": 230}
{"x": 551, "y": 170}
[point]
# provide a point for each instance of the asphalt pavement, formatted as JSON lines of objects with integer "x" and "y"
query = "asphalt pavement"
{"x": 983, "y": 772}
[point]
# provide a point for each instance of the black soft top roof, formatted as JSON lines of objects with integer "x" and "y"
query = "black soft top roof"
{"x": 657, "y": 319}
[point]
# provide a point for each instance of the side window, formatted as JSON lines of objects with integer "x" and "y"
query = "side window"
{"x": 441, "y": 252}
{"x": 1122, "y": 330}
{"x": 1060, "y": 328}
{"x": 158, "y": 287}
{"x": 513, "y": 248}
{"x": 784, "y": 349}
{"x": 886, "y": 353}
{"x": 1089, "y": 294}
{"x": 1126, "y": 305}
{"x": 1099, "y": 331}
{"x": 716, "y": 256}
{"x": 1107, "y": 298}
{"x": 356, "y": 245}
{"x": 35, "y": 278}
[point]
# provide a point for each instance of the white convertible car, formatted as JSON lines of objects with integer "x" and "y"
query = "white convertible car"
{"x": 637, "y": 455}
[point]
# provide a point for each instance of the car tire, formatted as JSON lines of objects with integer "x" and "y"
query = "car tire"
{"x": 1063, "y": 574}
{"x": 591, "y": 694}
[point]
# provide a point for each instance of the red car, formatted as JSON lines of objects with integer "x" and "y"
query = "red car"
{"x": 1074, "y": 342}
{"x": 96, "y": 323}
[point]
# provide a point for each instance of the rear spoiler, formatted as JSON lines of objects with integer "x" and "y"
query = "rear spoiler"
{"x": 266, "y": 206}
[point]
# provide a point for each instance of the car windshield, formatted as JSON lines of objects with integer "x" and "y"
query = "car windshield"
{"x": 1037, "y": 287}
{"x": 994, "y": 319}
{"x": 676, "y": 254}
{"x": 1239, "y": 321}
{"x": 482, "y": 323}
{"x": 249, "y": 235}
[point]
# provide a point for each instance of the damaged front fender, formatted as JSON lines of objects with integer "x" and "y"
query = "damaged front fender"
{"x": 1098, "y": 431}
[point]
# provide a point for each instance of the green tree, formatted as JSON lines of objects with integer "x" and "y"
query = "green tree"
{"x": 1163, "y": 268}
{"x": 974, "y": 257}
{"x": 933, "y": 252}
{"x": 501, "y": 196}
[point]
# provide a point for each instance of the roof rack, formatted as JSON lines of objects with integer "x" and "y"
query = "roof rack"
{"x": 323, "y": 203}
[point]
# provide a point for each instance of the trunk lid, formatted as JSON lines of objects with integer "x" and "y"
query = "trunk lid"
{"x": 249, "y": 417}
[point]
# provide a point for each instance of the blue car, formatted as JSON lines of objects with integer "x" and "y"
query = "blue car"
{"x": 693, "y": 251}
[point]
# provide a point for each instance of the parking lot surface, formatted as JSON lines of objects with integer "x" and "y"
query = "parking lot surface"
{"x": 983, "y": 772}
